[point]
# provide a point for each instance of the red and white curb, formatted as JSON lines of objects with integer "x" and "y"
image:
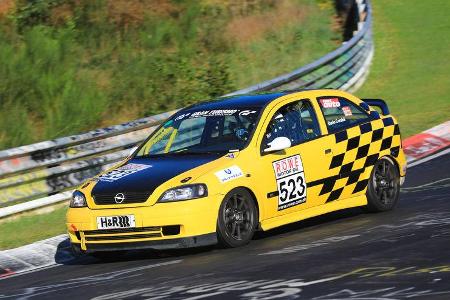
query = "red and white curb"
{"x": 56, "y": 250}
{"x": 38, "y": 255}
{"x": 425, "y": 144}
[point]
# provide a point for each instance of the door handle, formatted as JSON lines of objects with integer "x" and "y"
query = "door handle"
{"x": 327, "y": 151}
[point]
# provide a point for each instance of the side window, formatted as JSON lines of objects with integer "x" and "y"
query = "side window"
{"x": 310, "y": 126}
{"x": 341, "y": 113}
{"x": 296, "y": 121}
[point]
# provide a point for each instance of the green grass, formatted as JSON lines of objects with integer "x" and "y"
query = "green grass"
{"x": 411, "y": 67}
{"x": 28, "y": 229}
{"x": 71, "y": 66}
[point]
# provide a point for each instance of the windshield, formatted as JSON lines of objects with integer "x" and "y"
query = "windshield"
{"x": 220, "y": 130}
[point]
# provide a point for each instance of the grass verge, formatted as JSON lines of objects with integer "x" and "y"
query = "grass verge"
{"x": 411, "y": 66}
{"x": 31, "y": 228}
{"x": 71, "y": 66}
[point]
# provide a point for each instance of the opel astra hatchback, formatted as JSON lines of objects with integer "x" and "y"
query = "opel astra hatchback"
{"x": 218, "y": 171}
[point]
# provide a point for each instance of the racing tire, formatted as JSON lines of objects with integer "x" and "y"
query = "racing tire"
{"x": 237, "y": 220}
{"x": 383, "y": 189}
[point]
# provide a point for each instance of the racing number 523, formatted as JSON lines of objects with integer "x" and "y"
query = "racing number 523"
{"x": 292, "y": 188}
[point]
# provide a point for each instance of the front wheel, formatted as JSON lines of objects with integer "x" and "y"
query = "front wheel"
{"x": 237, "y": 219}
{"x": 384, "y": 186}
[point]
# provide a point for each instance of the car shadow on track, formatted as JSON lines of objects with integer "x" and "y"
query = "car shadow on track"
{"x": 66, "y": 256}
{"x": 311, "y": 223}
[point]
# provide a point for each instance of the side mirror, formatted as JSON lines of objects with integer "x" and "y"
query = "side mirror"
{"x": 279, "y": 143}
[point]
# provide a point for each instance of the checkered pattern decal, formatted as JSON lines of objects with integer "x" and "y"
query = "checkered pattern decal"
{"x": 357, "y": 149}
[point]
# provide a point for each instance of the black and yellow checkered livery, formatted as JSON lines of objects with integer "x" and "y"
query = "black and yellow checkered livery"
{"x": 356, "y": 151}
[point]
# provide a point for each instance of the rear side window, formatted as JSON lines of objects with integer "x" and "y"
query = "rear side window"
{"x": 341, "y": 113}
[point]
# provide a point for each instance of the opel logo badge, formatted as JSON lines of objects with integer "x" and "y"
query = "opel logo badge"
{"x": 119, "y": 198}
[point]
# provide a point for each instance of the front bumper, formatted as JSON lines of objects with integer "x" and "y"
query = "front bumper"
{"x": 161, "y": 226}
{"x": 177, "y": 243}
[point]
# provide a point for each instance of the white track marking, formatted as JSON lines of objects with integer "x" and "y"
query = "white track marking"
{"x": 425, "y": 185}
{"x": 428, "y": 158}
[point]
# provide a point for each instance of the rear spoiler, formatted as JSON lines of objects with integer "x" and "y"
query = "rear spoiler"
{"x": 378, "y": 103}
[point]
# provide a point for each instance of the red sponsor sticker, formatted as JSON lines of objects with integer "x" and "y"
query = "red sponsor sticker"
{"x": 347, "y": 111}
{"x": 287, "y": 166}
{"x": 330, "y": 103}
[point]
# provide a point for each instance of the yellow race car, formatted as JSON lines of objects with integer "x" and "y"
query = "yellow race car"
{"x": 220, "y": 170}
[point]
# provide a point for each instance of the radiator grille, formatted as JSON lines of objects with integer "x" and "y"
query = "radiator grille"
{"x": 123, "y": 234}
{"x": 122, "y": 237}
{"x": 123, "y": 230}
{"x": 129, "y": 197}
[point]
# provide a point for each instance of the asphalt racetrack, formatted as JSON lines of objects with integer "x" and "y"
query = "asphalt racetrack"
{"x": 402, "y": 254}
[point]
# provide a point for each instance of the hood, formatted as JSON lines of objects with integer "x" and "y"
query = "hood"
{"x": 144, "y": 175}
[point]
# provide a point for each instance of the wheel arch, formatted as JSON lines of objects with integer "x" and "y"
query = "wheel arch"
{"x": 388, "y": 157}
{"x": 375, "y": 202}
{"x": 254, "y": 199}
{"x": 392, "y": 160}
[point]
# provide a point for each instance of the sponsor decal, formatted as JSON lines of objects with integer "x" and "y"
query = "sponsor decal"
{"x": 114, "y": 222}
{"x": 330, "y": 103}
{"x": 228, "y": 174}
{"x": 123, "y": 171}
{"x": 247, "y": 112}
{"x": 181, "y": 117}
{"x": 213, "y": 113}
{"x": 333, "y": 122}
{"x": 347, "y": 111}
{"x": 291, "y": 182}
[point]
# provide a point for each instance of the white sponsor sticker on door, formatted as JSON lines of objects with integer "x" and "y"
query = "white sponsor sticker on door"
{"x": 228, "y": 174}
{"x": 291, "y": 183}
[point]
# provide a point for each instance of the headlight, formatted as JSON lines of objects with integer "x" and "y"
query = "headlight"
{"x": 185, "y": 192}
{"x": 78, "y": 200}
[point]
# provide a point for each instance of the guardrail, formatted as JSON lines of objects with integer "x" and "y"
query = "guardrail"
{"x": 36, "y": 175}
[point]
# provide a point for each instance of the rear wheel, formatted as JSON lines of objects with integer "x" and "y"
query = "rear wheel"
{"x": 237, "y": 219}
{"x": 384, "y": 186}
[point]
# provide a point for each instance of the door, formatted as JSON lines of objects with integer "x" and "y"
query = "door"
{"x": 284, "y": 175}
{"x": 345, "y": 122}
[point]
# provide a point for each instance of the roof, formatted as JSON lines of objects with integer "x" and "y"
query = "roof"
{"x": 239, "y": 101}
